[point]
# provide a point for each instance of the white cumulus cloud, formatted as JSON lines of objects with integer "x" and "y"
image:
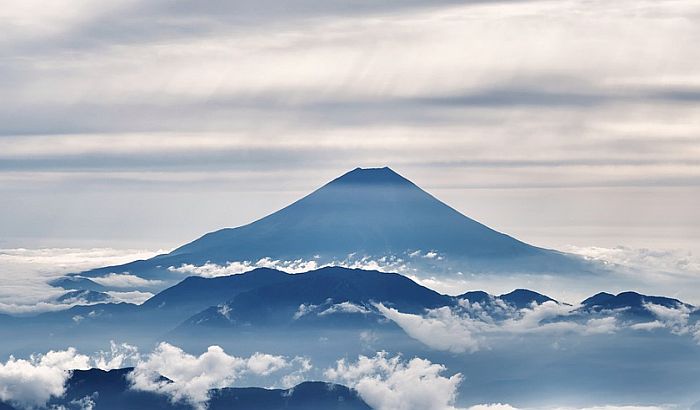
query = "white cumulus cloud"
{"x": 192, "y": 377}
{"x": 390, "y": 383}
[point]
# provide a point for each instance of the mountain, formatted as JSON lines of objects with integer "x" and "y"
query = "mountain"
{"x": 305, "y": 396}
{"x": 522, "y": 298}
{"x": 519, "y": 298}
{"x": 632, "y": 303}
{"x": 83, "y": 297}
{"x": 77, "y": 282}
{"x": 366, "y": 212}
{"x": 329, "y": 296}
{"x": 333, "y": 297}
{"x": 196, "y": 293}
{"x": 110, "y": 390}
{"x": 476, "y": 296}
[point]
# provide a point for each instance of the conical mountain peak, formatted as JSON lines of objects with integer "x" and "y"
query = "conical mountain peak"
{"x": 373, "y": 212}
{"x": 370, "y": 176}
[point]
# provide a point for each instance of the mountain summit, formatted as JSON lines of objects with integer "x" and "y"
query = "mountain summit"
{"x": 371, "y": 212}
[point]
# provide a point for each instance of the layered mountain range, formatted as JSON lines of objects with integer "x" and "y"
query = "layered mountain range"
{"x": 268, "y": 299}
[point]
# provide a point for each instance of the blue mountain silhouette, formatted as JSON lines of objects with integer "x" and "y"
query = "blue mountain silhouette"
{"x": 369, "y": 212}
{"x": 333, "y": 296}
{"x": 632, "y": 303}
{"x": 522, "y": 298}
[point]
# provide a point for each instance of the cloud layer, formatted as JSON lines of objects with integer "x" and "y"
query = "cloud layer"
{"x": 474, "y": 99}
{"x": 27, "y": 272}
{"x": 474, "y": 326}
{"x": 672, "y": 273}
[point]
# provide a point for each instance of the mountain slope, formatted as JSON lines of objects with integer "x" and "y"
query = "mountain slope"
{"x": 197, "y": 293}
{"x": 366, "y": 212}
{"x": 371, "y": 212}
{"x": 329, "y": 297}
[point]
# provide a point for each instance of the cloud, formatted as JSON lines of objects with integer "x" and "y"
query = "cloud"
{"x": 669, "y": 272}
{"x": 385, "y": 382}
{"x": 135, "y": 297}
{"x": 390, "y": 263}
{"x": 390, "y": 383}
{"x": 345, "y": 307}
{"x": 549, "y": 317}
{"x": 125, "y": 280}
{"x": 647, "y": 325}
{"x": 660, "y": 263}
{"x": 499, "y": 406}
{"x": 210, "y": 270}
{"x": 120, "y": 355}
{"x": 302, "y": 366}
{"x": 27, "y": 272}
{"x": 677, "y": 320}
{"x": 86, "y": 403}
{"x": 467, "y": 328}
{"x": 440, "y": 329}
{"x": 192, "y": 377}
{"x": 31, "y": 383}
{"x": 614, "y": 407}
{"x": 330, "y": 308}
{"x": 264, "y": 364}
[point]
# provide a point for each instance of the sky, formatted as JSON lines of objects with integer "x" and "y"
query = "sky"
{"x": 142, "y": 125}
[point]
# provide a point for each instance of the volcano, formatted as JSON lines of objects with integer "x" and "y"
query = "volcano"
{"x": 371, "y": 214}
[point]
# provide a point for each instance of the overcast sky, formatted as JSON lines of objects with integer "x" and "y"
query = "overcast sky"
{"x": 146, "y": 124}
